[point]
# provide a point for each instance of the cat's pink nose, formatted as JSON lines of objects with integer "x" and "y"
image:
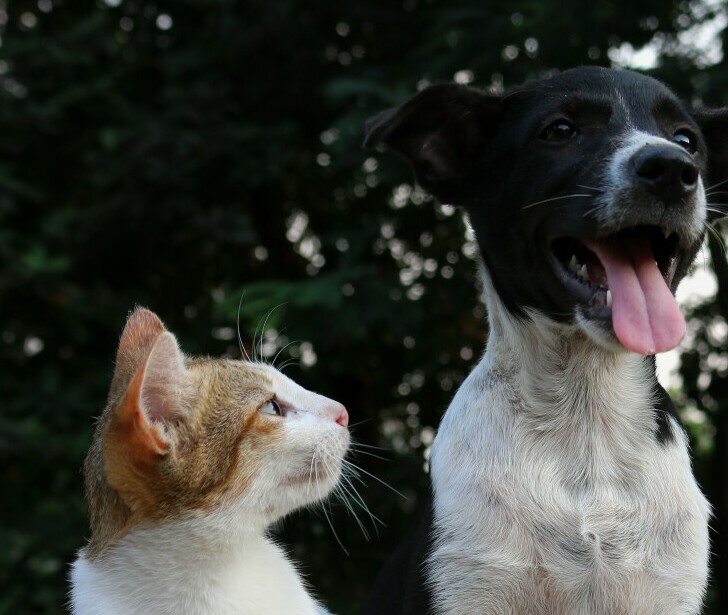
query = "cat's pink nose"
{"x": 341, "y": 416}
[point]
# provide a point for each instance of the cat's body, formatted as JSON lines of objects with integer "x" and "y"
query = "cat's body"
{"x": 249, "y": 574}
{"x": 192, "y": 461}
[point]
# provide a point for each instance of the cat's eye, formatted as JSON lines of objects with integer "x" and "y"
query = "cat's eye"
{"x": 271, "y": 407}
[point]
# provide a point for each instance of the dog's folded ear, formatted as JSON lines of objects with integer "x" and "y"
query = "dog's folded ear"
{"x": 714, "y": 126}
{"x": 440, "y": 130}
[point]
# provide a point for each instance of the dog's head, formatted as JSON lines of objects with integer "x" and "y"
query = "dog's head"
{"x": 586, "y": 191}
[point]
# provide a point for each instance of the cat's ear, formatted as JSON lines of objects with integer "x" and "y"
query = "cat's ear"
{"x": 154, "y": 400}
{"x": 158, "y": 393}
{"x": 142, "y": 329}
{"x": 441, "y": 131}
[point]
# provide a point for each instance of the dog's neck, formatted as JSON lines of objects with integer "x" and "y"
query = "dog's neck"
{"x": 558, "y": 368}
{"x": 550, "y": 389}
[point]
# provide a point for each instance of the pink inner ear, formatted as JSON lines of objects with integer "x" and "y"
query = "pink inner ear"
{"x": 164, "y": 381}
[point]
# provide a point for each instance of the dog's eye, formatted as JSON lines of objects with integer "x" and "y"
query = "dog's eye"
{"x": 560, "y": 130}
{"x": 271, "y": 407}
{"x": 685, "y": 139}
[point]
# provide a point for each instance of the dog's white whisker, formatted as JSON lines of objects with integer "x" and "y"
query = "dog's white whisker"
{"x": 596, "y": 190}
{"x": 720, "y": 239}
{"x": 716, "y": 208}
{"x": 556, "y": 198}
{"x": 590, "y": 211}
{"x": 716, "y": 185}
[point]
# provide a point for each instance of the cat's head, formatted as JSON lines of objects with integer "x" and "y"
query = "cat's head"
{"x": 228, "y": 441}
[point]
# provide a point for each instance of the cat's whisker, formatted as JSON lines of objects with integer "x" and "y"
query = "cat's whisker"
{"x": 362, "y": 422}
{"x": 357, "y": 477}
{"x": 273, "y": 362}
{"x": 355, "y": 451}
{"x": 341, "y": 494}
{"x": 360, "y": 501}
{"x": 359, "y": 445}
{"x": 376, "y": 478}
{"x": 333, "y": 530}
{"x": 344, "y": 494}
{"x": 258, "y": 345}
{"x": 254, "y": 344}
{"x": 278, "y": 336}
{"x": 240, "y": 338}
{"x": 310, "y": 469}
{"x": 350, "y": 494}
{"x": 288, "y": 363}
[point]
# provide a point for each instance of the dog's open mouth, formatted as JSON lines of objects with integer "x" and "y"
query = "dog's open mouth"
{"x": 626, "y": 277}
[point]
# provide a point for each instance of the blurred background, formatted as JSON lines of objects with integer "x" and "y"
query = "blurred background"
{"x": 185, "y": 154}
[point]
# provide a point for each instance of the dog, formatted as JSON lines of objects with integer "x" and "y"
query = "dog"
{"x": 561, "y": 476}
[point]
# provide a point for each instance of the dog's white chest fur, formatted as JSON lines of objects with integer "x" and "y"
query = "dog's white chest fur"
{"x": 552, "y": 494}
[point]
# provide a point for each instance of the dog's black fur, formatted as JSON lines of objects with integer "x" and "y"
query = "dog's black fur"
{"x": 531, "y": 170}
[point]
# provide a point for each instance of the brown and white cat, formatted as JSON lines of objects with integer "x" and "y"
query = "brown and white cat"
{"x": 191, "y": 461}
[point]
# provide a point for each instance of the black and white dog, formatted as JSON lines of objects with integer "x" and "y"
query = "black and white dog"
{"x": 561, "y": 476}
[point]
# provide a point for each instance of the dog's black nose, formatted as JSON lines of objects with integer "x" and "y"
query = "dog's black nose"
{"x": 666, "y": 170}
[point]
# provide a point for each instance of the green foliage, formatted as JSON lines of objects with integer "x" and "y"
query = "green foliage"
{"x": 204, "y": 159}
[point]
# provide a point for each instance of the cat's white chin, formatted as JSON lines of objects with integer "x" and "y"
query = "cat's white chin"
{"x": 313, "y": 485}
{"x": 317, "y": 479}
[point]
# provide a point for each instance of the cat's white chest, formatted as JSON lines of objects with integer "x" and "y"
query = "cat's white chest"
{"x": 561, "y": 520}
{"x": 142, "y": 576}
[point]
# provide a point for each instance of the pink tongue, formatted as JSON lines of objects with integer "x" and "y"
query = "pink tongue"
{"x": 645, "y": 315}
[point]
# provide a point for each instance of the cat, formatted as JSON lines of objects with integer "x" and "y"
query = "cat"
{"x": 191, "y": 461}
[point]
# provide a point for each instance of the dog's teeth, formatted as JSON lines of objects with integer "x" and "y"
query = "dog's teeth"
{"x": 609, "y": 298}
{"x": 666, "y": 232}
{"x": 583, "y": 273}
{"x": 573, "y": 264}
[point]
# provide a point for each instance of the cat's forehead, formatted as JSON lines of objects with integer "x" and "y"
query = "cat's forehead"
{"x": 252, "y": 382}
{"x": 254, "y": 373}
